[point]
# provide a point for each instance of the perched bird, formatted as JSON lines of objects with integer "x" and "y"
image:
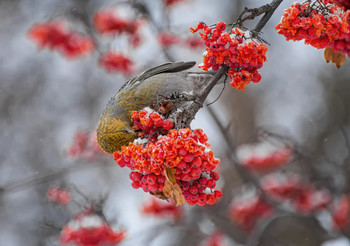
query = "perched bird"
{"x": 114, "y": 128}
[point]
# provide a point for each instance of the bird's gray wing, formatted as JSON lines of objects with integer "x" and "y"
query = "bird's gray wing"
{"x": 164, "y": 68}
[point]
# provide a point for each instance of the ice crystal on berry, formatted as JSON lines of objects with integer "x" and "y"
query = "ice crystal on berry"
{"x": 90, "y": 229}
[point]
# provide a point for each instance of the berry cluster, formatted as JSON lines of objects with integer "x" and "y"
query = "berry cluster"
{"x": 247, "y": 211}
{"x": 301, "y": 195}
{"x": 286, "y": 189}
{"x": 59, "y": 195}
{"x": 185, "y": 151}
{"x": 107, "y": 23}
{"x": 320, "y": 26}
{"x": 55, "y": 36}
{"x": 168, "y": 39}
{"x": 341, "y": 213}
{"x": 342, "y": 3}
{"x": 85, "y": 146}
{"x": 215, "y": 239}
{"x": 116, "y": 62}
{"x": 161, "y": 209}
{"x": 170, "y": 3}
{"x": 90, "y": 229}
{"x": 263, "y": 156}
{"x": 241, "y": 54}
{"x": 150, "y": 123}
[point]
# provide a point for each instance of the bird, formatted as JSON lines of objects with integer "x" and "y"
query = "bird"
{"x": 114, "y": 128}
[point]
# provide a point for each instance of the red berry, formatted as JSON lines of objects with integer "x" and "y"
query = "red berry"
{"x": 193, "y": 190}
{"x": 135, "y": 176}
{"x": 211, "y": 183}
{"x": 135, "y": 184}
{"x": 211, "y": 199}
{"x": 218, "y": 193}
{"x": 214, "y": 175}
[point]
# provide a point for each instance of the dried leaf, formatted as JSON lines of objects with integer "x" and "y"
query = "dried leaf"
{"x": 159, "y": 195}
{"x": 171, "y": 188}
{"x": 338, "y": 58}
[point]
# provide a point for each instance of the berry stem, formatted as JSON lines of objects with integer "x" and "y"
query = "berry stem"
{"x": 269, "y": 12}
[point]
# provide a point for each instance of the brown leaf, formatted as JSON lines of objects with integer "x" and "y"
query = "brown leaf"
{"x": 171, "y": 188}
{"x": 338, "y": 58}
{"x": 160, "y": 195}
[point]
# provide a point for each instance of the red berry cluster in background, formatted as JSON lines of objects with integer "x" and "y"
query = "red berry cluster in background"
{"x": 241, "y": 54}
{"x": 85, "y": 146}
{"x": 341, "y": 213}
{"x": 285, "y": 189}
{"x": 59, "y": 195}
{"x": 215, "y": 239}
{"x": 263, "y": 157}
{"x": 171, "y": 3}
{"x": 90, "y": 229}
{"x": 246, "y": 211}
{"x": 320, "y": 27}
{"x": 107, "y": 23}
{"x": 116, "y": 62}
{"x": 162, "y": 209}
{"x": 343, "y": 3}
{"x": 55, "y": 36}
{"x": 168, "y": 39}
{"x": 301, "y": 195}
{"x": 184, "y": 150}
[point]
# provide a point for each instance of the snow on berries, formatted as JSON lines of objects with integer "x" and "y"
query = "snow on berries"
{"x": 320, "y": 25}
{"x": 90, "y": 229}
{"x": 237, "y": 50}
{"x": 264, "y": 156}
{"x": 170, "y": 163}
{"x": 343, "y": 3}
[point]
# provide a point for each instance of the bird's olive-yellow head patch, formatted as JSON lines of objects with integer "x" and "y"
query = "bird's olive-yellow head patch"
{"x": 113, "y": 133}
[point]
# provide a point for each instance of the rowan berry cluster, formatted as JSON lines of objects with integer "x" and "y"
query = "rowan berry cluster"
{"x": 215, "y": 239}
{"x": 301, "y": 195}
{"x": 168, "y": 39}
{"x": 263, "y": 157}
{"x": 59, "y": 195}
{"x": 107, "y": 23}
{"x": 246, "y": 211}
{"x": 90, "y": 229}
{"x": 320, "y": 26}
{"x": 342, "y": 3}
{"x": 184, "y": 150}
{"x": 85, "y": 146}
{"x": 55, "y": 36}
{"x": 237, "y": 50}
{"x": 162, "y": 209}
{"x": 170, "y": 3}
{"x": 341, "y": 213}
{"x": 150, "y": 123}
{"x": 116, "y": 62}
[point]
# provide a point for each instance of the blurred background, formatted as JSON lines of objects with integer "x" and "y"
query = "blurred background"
{"x": 47, "y": 100}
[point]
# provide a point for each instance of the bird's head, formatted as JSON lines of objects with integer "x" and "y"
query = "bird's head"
{"x": 113, "y": 133}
